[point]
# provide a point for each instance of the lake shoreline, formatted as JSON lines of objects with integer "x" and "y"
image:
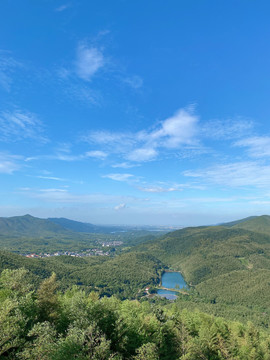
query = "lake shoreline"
{"x": 171, "y": 284}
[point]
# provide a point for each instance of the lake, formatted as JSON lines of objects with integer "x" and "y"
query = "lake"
{"x": 171, "y": 280}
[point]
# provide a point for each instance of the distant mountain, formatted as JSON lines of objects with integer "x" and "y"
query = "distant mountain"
{"x": 31, "y": 226}
{"x": 83, "y": 227}
{"x": 236, "y": 222}
{"x": 28, "y": 225}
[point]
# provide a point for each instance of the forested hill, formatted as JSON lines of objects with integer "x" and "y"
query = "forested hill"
{"x": 206, "y": 251}
{"x": 28, "y": 225}
{"x": 259, "y": 224}
{"x": 84, "y": 227}
{"x": 227, "y": 265}
{"x": 124, "y": 276}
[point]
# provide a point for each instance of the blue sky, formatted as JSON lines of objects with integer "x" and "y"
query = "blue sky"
{"x": 135, "y": 112}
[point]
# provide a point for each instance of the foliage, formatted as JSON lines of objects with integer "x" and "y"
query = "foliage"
{"x": 124, "y": 276}
{"x": 86, "y": 327}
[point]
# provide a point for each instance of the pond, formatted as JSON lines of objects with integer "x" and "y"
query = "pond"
{"x": 168, "y": 294}
{"x": 171, "y": 280}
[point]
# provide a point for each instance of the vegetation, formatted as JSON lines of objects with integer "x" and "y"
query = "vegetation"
{"x": 25, "y": 234}
{"x": 49, "y": 325}
{"x": 227, "y": 268}
{"x": 124, "y": 276}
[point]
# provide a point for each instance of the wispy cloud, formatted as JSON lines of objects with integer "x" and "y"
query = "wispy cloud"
{"x": 257, "y": 146}
{"x": 60, "y": 195}
{"x": 63, "y": 7}
{"x": 8, "y": 65}
{"x": 96, "y": 154}
{"x": 64, "y": 153}
{"x": 119, "y": 177}
{"x": 124, "y": 165}
{"x": 82, "y": 93}
{"x": 120, "y": 207}
{"x": 227, "y": 129}
{"x": 142, "y": 154}
{"x": 238, "y": 174}
{"x": 50, "y": 178}
{"x": 17, "y": 125}
{"x": 9, "y": 163}
{"x": 89, "y": 61}
{"x": 159, "y": 189}
{"x": 176, "y": 132}
{"x": 135, "y": 81}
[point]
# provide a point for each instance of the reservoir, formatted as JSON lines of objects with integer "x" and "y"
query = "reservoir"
{"x": 171, "y": 280}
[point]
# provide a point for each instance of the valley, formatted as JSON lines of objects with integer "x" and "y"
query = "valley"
{"x": 225, "y": 268}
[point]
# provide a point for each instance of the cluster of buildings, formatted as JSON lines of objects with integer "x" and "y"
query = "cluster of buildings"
{"x": 111, "y": 243}
{"x": 83, "y": 253}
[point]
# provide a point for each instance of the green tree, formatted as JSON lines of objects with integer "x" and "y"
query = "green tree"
{"x": 47, "y": 299}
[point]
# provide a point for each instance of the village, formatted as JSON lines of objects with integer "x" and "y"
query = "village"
{"x": 81, "y": 253}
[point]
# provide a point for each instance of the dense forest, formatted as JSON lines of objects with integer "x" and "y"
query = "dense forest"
{"x": 227, "y": 267}
{"x": 125, "y": 276}
{"x": 48, "y": 324}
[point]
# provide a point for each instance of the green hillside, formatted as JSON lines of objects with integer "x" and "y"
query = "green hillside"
{"x": 28, "y": 225}
{"x": 125, "y": 275}
{"x": 47, "y": 324}
{"x": 28, "y": 234}
{"x": 205, "y": 252}
{"x": 259, "y": 224}
{"x": 235, "y": 222}
{"x": 228, "y": 268}
{"x": 84, "y": 227}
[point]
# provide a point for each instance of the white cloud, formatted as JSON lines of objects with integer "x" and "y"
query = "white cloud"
{"x": 180, "y": 129}
{"x": 111, "y": 138}
{"x": 118, "y": 177}
{"x": 239, "y": 174}
{"x": 124, "y": 165}
{"x": 158, "y": 189}
{"x": 176, "y": 132}
{"x": 134, "y": 81}
{"x": 59, "y": 195}
{"x": 9, "y": 163}
{"x": 62, "y": 7}
{"x": 64, "y": 153}
{"x": 227, "y": 129}
{"x": 51, "y": 178}
{"x": 18, "y": 125}
{"x": 258, "y": 146}
{"x": 82, "y": 93}
{"x": 143, "y": 154}
{"x": 89, "y": 61}
{"x": 96, "y": 154}
{"x": 8, "y": 65}
{"x": 120, "y": 207}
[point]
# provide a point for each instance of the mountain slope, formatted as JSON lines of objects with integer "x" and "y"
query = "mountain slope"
{"x": 224, "y": 265}
{"x": 83, "y": 227}
{"x": 28, "y": 225}
{"x": 259, "y": 224}
{"x": 124, "y": 275}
